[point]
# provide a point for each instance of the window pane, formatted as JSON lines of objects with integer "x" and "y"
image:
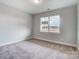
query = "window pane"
{"x": 54, "y": 30}
{"x": 54, "y": 24}
{"x": 50, "y": 24}
{"x": 44, "y": 19}
{"x": 45, "y": 28}
{"x": 54, "y": 21}
{"x": 44, "y": 24}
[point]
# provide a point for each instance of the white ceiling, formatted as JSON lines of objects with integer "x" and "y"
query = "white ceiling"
{"x": 30, "y": 7}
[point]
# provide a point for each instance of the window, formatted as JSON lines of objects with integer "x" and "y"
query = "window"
{"x": 50, "y": 24}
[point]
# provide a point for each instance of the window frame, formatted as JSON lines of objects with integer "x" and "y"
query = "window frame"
{"x": 49, "y": 25}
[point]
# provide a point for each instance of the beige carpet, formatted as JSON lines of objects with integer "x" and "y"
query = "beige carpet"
{"x": 31, "y": 50}
{"x": 59, "y": 47}
{"x": 41, "y": 52}
{"x": 13, "y": 52}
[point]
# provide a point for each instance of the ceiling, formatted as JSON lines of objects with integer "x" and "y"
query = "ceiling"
{"x": 29, "y": 7}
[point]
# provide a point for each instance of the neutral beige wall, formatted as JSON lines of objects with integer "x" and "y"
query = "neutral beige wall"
{"x": 68, "y": 26}
{"x": 14, "y": 25}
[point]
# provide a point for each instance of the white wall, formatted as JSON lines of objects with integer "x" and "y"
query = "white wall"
{"x": 78, "y": 24}
{"x": 14, "y": 25}
{"x": 68, "y": 29}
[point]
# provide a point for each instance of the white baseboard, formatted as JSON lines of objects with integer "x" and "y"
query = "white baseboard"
{"x": 56, "y": 42}
{"x": 13, "y": 42}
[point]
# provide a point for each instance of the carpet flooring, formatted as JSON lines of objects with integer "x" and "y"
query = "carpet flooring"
{"x": 13, "y": 52}
{"x": 29, "y": 50}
